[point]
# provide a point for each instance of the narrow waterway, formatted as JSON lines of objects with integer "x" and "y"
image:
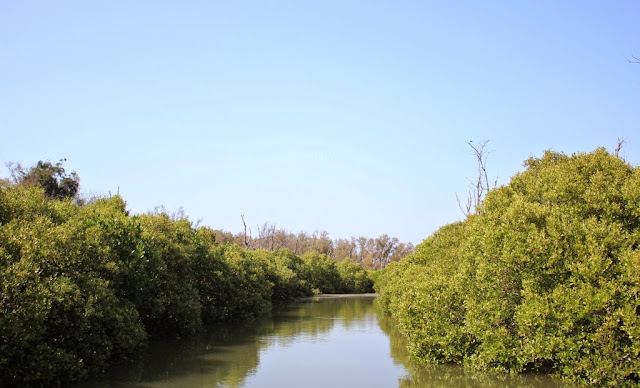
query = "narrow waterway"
{"x": 319, "y": 342}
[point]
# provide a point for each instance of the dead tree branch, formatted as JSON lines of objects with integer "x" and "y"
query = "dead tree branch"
{"x": 480, "y": 187}
{"x": 246, "y": 240}
{"x": 616, "y": 151}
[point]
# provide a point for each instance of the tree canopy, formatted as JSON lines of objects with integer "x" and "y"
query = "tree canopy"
{"x": 52, "y": 178}
{"x": 82, "y": 287}
{"x": 544, "y": 278}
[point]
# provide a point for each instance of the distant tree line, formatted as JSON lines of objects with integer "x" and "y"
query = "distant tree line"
{"x": 371, "y": 253}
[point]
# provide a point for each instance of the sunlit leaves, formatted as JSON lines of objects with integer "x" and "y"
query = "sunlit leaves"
{"x": 84, "y": 286}
{"x": 547, "y": 276}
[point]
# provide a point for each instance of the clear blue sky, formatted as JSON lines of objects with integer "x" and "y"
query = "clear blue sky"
{"x": 345, "y": 116}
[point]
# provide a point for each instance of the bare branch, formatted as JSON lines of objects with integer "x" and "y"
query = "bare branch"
{"x": 17, "y": 172}
{"x": 621, "y": 142}
{"x": 634, "y": 60}
{"x": 480, "y": 187}
{"x": 246, "y": 240}
{"x": 467, "y": 208}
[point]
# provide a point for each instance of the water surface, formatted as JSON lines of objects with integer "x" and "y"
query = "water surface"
{"x": 318, "y": 342}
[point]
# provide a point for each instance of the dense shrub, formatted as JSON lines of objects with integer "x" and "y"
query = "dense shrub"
{"x": 354, "y": 278}
{"x": 425, "y": 293}
{"x": 176, "y": 299}
{"x": 84, "y": 286}
{"x": 545, "y": 278}
{"x": 286, "y": 272}
{"x": 250, "y": 287}
{"x": 60, "y": 319}
{"x": 212, "y": 275}
{"x": 322, "y": 273}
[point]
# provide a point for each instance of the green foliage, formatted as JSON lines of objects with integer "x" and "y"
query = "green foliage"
{"x": 424, "y": 293}
{"x": 52, "y": 178}
{"x": 177, "y": 307}
{"x": 251, "y": 289}
{"x": 84, "y": 286}
{"x": 59, "y": 319}
{"x": 322, "y": 273}
{"x": 354, "y": 278}
{"x": 212, "y": 275}
{"x": 544, "y": 278}
{"x": 286, "y": 271}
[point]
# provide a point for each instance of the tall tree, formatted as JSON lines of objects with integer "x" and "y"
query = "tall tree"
{"x": 52, "y": 178}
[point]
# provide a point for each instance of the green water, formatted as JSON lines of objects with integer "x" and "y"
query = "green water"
{"x": 320, "y": 342}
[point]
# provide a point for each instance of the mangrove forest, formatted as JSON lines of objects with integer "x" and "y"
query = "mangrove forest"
{"x": 542, "y": 277}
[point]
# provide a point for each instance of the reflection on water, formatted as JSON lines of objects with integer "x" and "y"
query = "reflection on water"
{"x": 318, "y": 342}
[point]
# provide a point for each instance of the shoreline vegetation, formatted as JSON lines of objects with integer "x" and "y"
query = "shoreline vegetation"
{"x": 543, "y": 278}
{"x": 84, "y": 287}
